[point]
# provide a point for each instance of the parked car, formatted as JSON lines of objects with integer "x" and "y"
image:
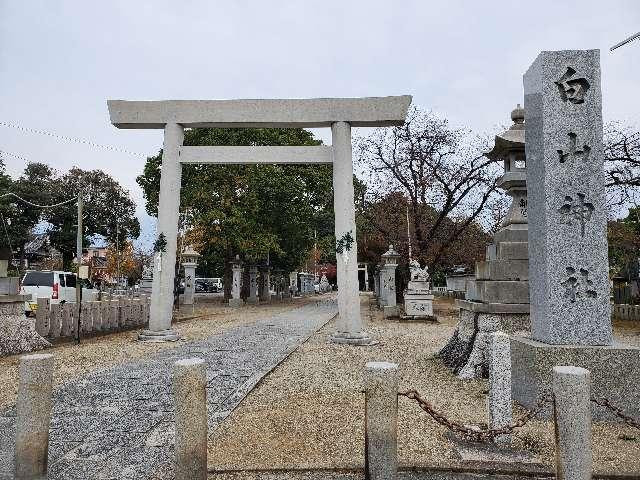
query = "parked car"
{"x": 216, "y": 284}
{"x": 202, "y": 286}
{"x": 59, "y": 286}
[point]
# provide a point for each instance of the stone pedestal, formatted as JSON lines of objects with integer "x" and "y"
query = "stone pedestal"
{"x": 418, "y": 299}
{"x": 615, "y": 371}
{"x": 253, "y": 286}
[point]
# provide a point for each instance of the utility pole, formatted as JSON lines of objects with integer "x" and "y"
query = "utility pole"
{"x": 79, "y": 256}
{"x": 408, "y": 232}
{"x": 118, "y": 275}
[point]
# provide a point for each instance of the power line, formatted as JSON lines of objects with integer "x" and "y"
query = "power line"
{"x": 4, "y": 152}
{"x": 35, "y": 204}
{"x": 70, "y": 139}
{"x": 633, "y": 37}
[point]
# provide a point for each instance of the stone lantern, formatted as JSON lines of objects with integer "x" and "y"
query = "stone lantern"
{"x": 509, "y": 147}
{"x": 388, "y": 267}
{"x": 498, "y": 296}
{"x": 236, "y": 284}
{"x": 189, "y": 263}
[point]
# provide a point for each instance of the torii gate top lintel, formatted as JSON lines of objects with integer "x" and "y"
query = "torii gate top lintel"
{"x": 262, "y": 113}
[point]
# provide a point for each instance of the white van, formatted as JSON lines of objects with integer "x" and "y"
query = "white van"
{"x": 217, "y": 284}
{"x": 58, "y": 286}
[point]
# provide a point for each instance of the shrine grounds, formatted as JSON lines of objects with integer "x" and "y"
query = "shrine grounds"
{"x": 308, "y": 412}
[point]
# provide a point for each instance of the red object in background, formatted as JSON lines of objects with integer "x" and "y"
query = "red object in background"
{"x": 54, "y": 295}
{"x": 329, "y": 270}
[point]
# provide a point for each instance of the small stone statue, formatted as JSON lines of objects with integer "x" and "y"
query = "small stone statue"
{"x": 417, "y": 273}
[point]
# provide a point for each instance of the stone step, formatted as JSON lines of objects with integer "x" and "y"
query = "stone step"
{"x": 512, "y": 235}
{"x": 511, "y": 251}
{"x": 502, "y": 270}
{"x": 493, "y": 291}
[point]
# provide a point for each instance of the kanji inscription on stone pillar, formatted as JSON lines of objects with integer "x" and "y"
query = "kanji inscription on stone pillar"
{"x": 568, "y": 261}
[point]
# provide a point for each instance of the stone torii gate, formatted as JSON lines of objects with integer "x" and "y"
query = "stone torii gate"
{"x": 340, "y": 114}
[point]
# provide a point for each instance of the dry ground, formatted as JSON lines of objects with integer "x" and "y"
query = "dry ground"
{"x": 308, "y": 412}
{"x": 98, "y": 352}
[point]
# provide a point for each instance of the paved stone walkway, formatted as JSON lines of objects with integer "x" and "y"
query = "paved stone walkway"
{"x": 117, "y": 423}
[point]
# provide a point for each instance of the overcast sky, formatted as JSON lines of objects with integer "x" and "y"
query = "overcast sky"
{"x": 60, "y": 61}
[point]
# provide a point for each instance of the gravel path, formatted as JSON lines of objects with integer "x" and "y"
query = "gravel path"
{"x": 117, "y": 422}
{"x": 309, "y": 412}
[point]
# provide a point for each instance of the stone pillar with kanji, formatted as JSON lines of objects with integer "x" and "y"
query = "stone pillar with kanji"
{"x": 568, "y": 255}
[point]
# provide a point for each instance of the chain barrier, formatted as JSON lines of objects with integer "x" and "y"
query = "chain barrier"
{"x": 617, "y": 411}
{"x": 476, "y": 434}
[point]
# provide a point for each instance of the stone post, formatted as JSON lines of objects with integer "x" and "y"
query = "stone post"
{"x": 366, "y": 278}
{"x": 381, "y": 429}
{"x": 388, "y": 279}
{"x": 253, "y": 285}
{"x": 164, "y": 265}
{"x": 376, "y": 283}
{"x": 293, "y": 283}
{"x": 265, "y": 295}
{"x": 499, "y": 403}
{"x": 189, "y": 382}
{"x": 569, "y": 270}
{"x": 236, "y": 286}
{"x": 572, "y": 390}
{"x": 33, "y": 416}
{"x": 189, "y": 282}
{"x": 43, "y": 320}
{"x": 350, "y": 328}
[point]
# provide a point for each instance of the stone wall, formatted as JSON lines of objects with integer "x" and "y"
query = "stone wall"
{"x": 109, "y": 315}
{"x": 625, "y": 312}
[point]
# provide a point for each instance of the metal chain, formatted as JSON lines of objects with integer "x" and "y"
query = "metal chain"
{"x": 474, "y": 434}
{"x": 618, "y": 412}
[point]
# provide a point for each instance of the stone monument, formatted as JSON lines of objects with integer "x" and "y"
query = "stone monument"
{"x": 236, "y": 284}
{"x": 17, "y": 331}
{"x": 418, "y": 299}
{"x": 325, "y": 286}
{"x": 265, "y": 290}
{"x": 146, "y": 282}
{"x": 189, "y": 263}
{"x": 253, "y": 285}
{"x": 498, "y": 297}
{"x": 388, "y": 282}
{"x": 569, "y": 281}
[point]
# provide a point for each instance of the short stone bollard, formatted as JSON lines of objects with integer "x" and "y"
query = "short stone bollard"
{"x": 33, "y": 416}
{"x": 499, "y": 403}
{"x": 572, "y": 391}
{"x": 189, "y": 382}
{"x": 381, "y": 420}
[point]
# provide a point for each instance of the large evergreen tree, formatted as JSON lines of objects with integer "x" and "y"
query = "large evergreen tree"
{"x": 256, "y": 211}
